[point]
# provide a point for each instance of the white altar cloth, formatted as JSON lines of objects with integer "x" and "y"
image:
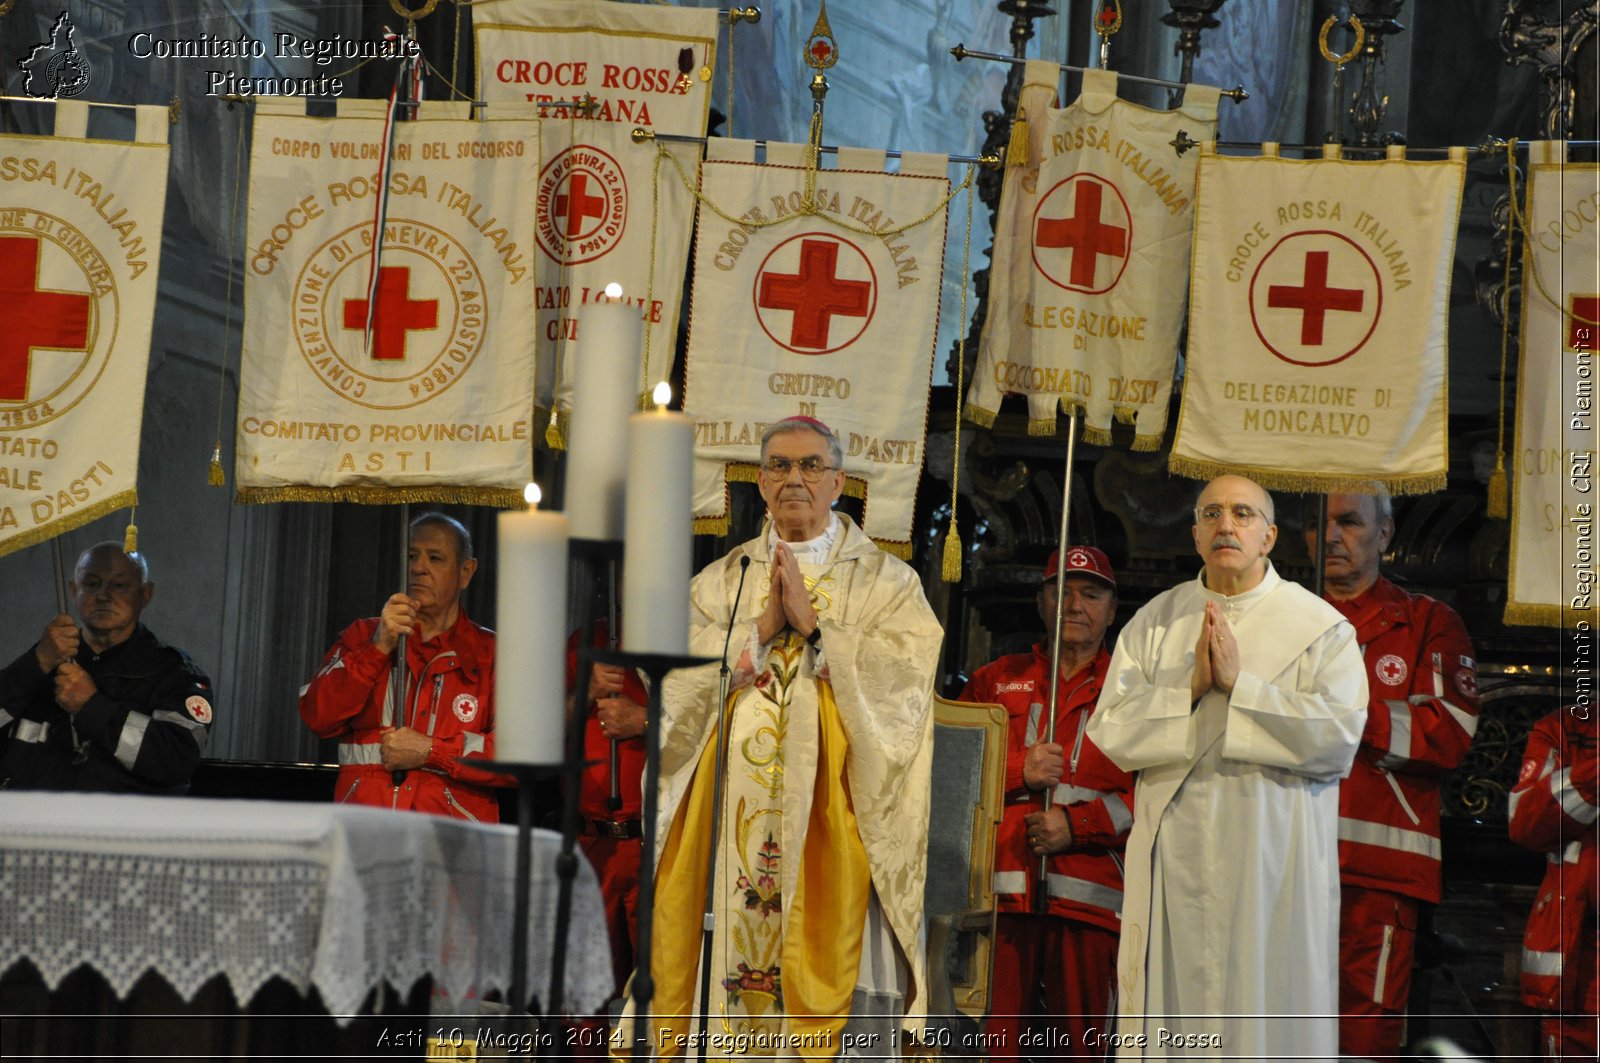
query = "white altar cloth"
{"x": 335, "y": 897}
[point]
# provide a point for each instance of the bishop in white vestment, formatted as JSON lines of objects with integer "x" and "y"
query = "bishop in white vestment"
{"x": 823, "y": 832}
{"x": 1239, "y": 699}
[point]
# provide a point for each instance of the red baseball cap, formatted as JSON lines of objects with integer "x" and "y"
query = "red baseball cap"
{"x": 1087, "y": 561}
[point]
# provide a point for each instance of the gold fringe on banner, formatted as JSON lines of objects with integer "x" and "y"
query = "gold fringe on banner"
{"x": 712, "y": 525}
{"x": 499, "y": 497}
{"x": 1307, "y": 483}
{"x": 1041, "y": 426}
{"x": 1017, "y": 147}
{"x": 1099, "y": 437}
{"x": 894, "y": 548}
{"x": 1524, "y": 614}
{"x": 78, "y": 519}
{"x": 1147, "y": 444}
{"x": 979, "y": 416}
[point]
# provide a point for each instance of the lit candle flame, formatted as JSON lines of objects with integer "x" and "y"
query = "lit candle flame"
{"x": 662, "y": 395}
{"x": 613, "y": 290}
{"x": 531, "y": 495}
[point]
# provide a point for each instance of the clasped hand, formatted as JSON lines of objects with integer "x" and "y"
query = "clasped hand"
{"x": 399, "y": 617}
{"x": 788, "y": 601}
{"x": 1216, "y": 655}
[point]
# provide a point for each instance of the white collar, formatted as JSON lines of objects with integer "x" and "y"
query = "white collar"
{"x": 811, "y": 551}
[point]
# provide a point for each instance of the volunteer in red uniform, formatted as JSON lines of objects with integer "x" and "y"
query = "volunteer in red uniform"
{"x": 1553, "y": 809}
{"x": 407, "y": 758}
{"x": 1422, "y": 713}
{"x": 1054, "y": 973}
{"x": 610, "y": 837}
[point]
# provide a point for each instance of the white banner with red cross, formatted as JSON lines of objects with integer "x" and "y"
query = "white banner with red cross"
{"x": 1554, "y": 500}
{"x": 1317, "y": 309}
{"x": 1091, "y": 253}
{"x": 435, "y": 401}
{"x": 80, "y": 251}
{"x": 830, "y": 312}
{"x": 609, "y": 211}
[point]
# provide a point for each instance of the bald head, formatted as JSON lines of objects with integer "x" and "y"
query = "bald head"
{"x": 1235, "y": 527}
{"x": 111, "y": 589}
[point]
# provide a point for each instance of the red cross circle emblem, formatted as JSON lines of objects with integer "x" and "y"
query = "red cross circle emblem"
{"x": 1082, "y": 232}
{"x": 40, "y": 319}
{"x": 815, "y": 293}
{"x": 1315, "y": 298}
{"x": 1391, "y": 669}
{"x": 582, "y": 203}
{"x": 397, "y": 314}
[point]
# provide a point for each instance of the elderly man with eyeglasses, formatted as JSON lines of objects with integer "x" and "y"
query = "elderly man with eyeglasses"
{"x": 822, "y": 845}
{"x": 1239, "y": 700}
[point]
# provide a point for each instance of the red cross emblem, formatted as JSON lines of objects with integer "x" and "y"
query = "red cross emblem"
{"x": 1583, "y": 311}
{"x": 832, "y": 279}
{"x": 1391, "y": 669}
{"x": 36, "y": 318}
{"x": 1097, "y": 225}
{"x": 1315, "y": 298}
{"x": 397, "y": 314}
{"x": 576, "y": 206}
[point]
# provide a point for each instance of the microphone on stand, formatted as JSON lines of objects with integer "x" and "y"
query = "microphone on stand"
{"x": 708, "y": 919}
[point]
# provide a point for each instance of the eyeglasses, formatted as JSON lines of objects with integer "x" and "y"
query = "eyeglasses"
{"x": 811, "y": 469}
{"x": 1242, "y": 514}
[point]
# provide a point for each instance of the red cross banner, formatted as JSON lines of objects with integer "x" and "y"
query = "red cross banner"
{"x": 80, "y": 251}
{"x": 1071, "y": 326}
{"x": 826, "y": 308}
{"x": 1317, "y": 310}
{"x": 1552, "y": 474}
{"x": 606, "y": 214}
{"x": 405, "y": 379}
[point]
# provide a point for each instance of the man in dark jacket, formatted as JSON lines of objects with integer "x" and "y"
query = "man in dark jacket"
{"x": 108, "y": 707}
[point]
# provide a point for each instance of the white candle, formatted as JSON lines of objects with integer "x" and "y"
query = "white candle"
{"x": 605, "y": 387}
{"x": 657, "y": 552}
{"x": 531, "y": 662}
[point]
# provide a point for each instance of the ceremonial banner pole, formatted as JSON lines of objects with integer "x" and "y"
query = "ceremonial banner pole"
{"x": 1041, "y": 897}
{"x": 60, "y": 575}
{"x": 398, "y": 680}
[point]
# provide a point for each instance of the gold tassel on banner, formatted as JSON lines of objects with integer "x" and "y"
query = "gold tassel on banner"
{"x": 554, "y": 438}
{"x": 1017, "y": 147}
{"x": 1499, "y": 491}
{"x": 950, "y": 569}
{"x": 214, "y": 475}
{"x": 130, "y": 538}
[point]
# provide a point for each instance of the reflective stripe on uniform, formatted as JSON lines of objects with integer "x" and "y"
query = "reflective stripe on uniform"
{"x": 5, "y": 717}
{"x": 187, "y": 722}
{"x": 1121, "y": 817}
{"x": 1383, "y": 965}
{"x": 131, "y": 738}
{"x": 471, "y": 743}
{"x": 1385, "y": 837}
{"x": 1544, "y": 964}
{"x": 1084, "y": 892}
{"x": 360, "y": 753}
{"x": 1067, "y": 794}
{"x": 1572, "y": 802}
{"x": 1010, "y": 882}
{"x": 31, "y": 731}
{"x": 1399, "y": 734}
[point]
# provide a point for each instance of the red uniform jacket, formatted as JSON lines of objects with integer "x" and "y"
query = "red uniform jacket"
{"x": 594, "y": 793}
{"x": 1553, "y": 810}
{"x": 1085, "y": 883}
{"x": 450, "y": 698}
{"x": 1422, "y": 713}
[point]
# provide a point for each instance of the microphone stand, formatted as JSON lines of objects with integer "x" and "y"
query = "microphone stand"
{"x": 708, "y": 919}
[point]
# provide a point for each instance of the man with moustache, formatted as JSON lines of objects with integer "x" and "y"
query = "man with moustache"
{"x": 109, "y": 707}
{"x": 1054, "y": 971}
{"x": 406, "y": 756}
{"x": 1239, "y": 699}
{"x": 822, "y": 843}
{"x": 1421, "y": 716}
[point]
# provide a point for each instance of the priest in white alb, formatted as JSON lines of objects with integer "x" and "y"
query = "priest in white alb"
{"x": 823, "y": 840}
{"x": 1239, "y": 699}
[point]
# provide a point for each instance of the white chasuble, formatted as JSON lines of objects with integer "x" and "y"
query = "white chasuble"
{"x": 1318, "y": 306}
{"x": 1091, "y": 255}
{"x": 408, "y": 378}
{"x": 80, "y": 252}
{"x": 824, "y": 819}
{"x": 1553, "y": 569}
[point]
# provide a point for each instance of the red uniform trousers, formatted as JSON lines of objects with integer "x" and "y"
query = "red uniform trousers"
{"x": 1077, "y": 964}
{"x": 616, "y": 862}
{"x": 1377, "y": 940}
{"x": 1571, "y": 1035}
